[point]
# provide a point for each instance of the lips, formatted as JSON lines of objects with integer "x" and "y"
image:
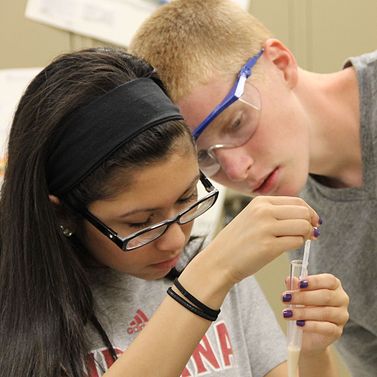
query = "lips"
{"x": 267, "y": 184}
{"x": 168, "y": 264}
{"x": 259, "y": 184}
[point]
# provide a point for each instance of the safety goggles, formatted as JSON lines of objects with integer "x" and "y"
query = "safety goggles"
{"x": 232, "y": 122}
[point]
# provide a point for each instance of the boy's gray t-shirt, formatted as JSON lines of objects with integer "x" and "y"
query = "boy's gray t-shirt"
{"x": 347, "y": 246}
{"x": 245, "y": 341}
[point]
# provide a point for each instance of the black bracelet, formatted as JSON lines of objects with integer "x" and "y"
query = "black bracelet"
{"x": 195, "y": 301}
{"x": 189, "y": 306}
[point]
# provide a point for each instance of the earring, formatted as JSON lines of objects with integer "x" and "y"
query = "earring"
{"x": 66, "y": 231}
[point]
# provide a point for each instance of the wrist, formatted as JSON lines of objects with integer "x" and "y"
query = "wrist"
{"x": 317, "y": 362}
{"x": 206, "y": 280}
{"x": 316, "y": 353}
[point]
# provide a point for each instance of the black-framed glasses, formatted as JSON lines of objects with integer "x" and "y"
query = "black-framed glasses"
{"x": 232, "y": 122}
{"x": 151, "y": 233}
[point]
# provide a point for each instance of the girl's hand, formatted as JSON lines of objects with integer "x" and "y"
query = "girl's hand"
{"x": 325, "y": 310}
{"x": 262, "y": 231}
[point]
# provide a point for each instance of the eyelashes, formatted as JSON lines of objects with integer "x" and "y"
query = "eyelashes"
{"x": 150, "y": 220}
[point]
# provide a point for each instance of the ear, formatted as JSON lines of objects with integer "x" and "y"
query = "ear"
{"x": 65, "y": 222}
{"x": 282, "y": 58}
{"x": 54, "y": 200}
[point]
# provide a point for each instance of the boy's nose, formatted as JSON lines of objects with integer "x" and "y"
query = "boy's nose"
{"x": 235, "y": 163}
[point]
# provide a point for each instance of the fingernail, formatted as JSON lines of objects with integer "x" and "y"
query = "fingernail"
{"x": 287, "y": 313}
{"x": 287, "y": 297}
{"x": 300, "y": 322}
{"x": 303, "y": 284}
{"x": 320, "y": 221}
{"x": 316, "y": 232}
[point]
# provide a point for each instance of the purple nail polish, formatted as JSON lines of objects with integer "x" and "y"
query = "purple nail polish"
{"x": 300, "y": 322}
{"x": 320, "y": 221}
{"x": 287, "y": 297}
{"x": 316, "y": 232}
{"x": 287, "y": 313}
{"x": 304, "y": 284}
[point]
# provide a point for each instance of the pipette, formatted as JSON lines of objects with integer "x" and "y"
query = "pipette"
{"x": 294, "y": 333}
{"x": 305, "y": 260}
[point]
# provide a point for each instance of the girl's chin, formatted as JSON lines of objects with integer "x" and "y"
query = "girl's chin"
{"x": 153, "y": 276}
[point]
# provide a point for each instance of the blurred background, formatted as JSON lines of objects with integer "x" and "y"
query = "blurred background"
{"x": 321, "y": 33}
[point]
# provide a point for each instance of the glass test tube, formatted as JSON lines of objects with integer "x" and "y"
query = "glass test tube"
{"x": 294, "y": 333}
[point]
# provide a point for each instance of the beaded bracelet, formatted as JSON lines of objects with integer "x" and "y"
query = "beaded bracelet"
{"x": 189, "y": 306}
{"x": 195, "y": 301}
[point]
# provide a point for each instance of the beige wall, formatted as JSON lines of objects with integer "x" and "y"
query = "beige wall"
{"x": 322, "y": 33}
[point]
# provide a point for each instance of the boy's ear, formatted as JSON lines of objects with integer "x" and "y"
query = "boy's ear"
{"x": 282, "y": 58}
{"x": 54, "y": 200}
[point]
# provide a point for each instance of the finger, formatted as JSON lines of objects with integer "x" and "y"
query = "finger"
{"x": 285, "y": 212}
{"x": 292, "y": 200}
{"x": 326, "y": 329}
{"x": 319, "y": 297}
{"x": 284, "y": 243}
{"x": 278, "y": 245}
{"x": 338, "y": 316}
{"x": 321, "y": 281}
{"x": 280, "y": 199}
{"x": 293, "y": 283}
{"x": 314, "y": 282}
{"x": 293, "y": 227}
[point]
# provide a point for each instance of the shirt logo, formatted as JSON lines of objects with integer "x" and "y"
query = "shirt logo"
{"x": 138, "y": 323}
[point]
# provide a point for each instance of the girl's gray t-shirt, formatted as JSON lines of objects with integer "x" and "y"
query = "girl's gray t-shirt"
{"x": 245, "y": 341}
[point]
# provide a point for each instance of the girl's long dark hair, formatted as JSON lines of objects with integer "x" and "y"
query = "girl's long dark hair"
{"x": 45, "y": 299}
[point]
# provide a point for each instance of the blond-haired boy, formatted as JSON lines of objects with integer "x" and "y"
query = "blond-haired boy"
{"x": 263, "y": 125}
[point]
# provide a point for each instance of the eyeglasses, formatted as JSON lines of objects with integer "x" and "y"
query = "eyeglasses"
{"x": 151, "y": 233}
{"x": 232, "y": 122}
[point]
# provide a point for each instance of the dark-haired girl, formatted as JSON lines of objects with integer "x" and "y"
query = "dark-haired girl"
{"x": 96, "y": 210}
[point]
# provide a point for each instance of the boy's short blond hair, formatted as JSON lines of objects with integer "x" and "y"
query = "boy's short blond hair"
{"x": 191, "y": 41}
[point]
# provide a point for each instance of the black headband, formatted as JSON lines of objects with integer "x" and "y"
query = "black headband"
{"x": 92, "y": 133}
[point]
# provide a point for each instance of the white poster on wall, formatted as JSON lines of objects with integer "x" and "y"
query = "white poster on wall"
{"x": 114, "y": 21}
{"x": 13, "y": 83}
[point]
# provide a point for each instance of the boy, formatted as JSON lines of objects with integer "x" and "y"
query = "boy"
{"x": 273, "y": 128}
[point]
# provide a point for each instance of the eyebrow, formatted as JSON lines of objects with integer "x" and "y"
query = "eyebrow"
{"x": 193, "y": 183}
{"x": 225, "y": 116}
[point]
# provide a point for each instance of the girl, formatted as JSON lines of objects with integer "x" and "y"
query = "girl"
{"x": 96, "y": 209}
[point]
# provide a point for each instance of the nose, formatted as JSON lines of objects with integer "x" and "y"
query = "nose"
{"x": 173, "y": 239}
{"x": 235, "y": 163}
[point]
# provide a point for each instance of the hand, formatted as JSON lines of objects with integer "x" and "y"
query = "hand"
{"x": 325, "y": 310}
{"x": 265, "y": 228}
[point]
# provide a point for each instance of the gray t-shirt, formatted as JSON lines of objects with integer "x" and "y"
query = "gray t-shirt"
{"x": 245, "y": 341}
{"x": 347, "y": 246}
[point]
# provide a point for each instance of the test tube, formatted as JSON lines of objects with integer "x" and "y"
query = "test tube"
{"x": 294, "y": 333}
